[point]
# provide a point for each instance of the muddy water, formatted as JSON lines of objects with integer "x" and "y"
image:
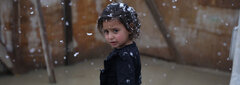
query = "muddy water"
{"x": 154, "y": 72}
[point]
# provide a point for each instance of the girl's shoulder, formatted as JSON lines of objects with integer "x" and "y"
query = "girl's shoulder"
{"x": 125, "y": 53}
{"x": 129, "y": 51}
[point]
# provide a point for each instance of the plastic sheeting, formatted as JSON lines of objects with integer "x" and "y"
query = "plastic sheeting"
{"x": 235, "y": 77}
{"x": 4, "y": 57}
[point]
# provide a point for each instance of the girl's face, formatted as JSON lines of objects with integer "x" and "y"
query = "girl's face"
{"x": 115, "y": 33}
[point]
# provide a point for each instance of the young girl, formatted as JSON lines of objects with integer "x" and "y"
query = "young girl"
{"x": 120, "y": 26}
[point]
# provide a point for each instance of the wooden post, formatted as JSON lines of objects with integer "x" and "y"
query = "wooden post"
{"x": 19, "y": 66}
{"x": 48, "y": 58}
{"x": 68, "y": 30}
{"x": 159, "y": 20}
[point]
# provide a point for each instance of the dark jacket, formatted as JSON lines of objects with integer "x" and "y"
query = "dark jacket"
{"x": 122, "y": 67}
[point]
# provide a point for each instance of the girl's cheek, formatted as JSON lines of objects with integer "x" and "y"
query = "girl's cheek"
{"x": 106, "y": 37}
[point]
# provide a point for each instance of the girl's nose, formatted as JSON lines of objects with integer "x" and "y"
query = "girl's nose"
{"x": 111, "y": 36}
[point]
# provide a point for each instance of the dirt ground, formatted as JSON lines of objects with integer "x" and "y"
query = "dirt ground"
{"x": 154, "y": 72}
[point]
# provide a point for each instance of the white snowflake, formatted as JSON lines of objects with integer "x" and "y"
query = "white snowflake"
{"x": 174, "y": 7}
{"x": 163, "y": 4}
{"x": 75, "y": 55}
{"x": 125, "y": 53}
{"x": 89, "y": 34}
{"x": 61, "y": 41}
{"x": 164, "y": 75}
{"x": 66, "y": 23}
{"x": 127, "y": 81}
{"x": 56, "y": 62}
{"x": 121, "y": 5}
{"x": 32, "y": 12}
{"x": 110, "y": 15}
{"x": 32, "y": 50}
{"x": 92, "y": 63}
{"x": 219, "y": 53}
{"x": 34, "y": 60}
{"x": 62, "y": 18}
{"x": 131, "y": 53}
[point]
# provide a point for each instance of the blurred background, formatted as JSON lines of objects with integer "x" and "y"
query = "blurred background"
{"x": 182, "y": 42}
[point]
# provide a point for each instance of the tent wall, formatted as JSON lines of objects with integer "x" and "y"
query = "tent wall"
{"x": 201, "y": 32}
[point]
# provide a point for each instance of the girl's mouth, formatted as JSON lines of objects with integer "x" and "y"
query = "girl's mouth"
{"x": 113, "y": 43}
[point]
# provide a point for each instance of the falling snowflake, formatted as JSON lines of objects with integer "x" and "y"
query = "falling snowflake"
{"x": 34, "y": 60}
{"x": 131, "y": 53}
{"x": 175, "y": 28}
{"x": 110, "y": 15}
{"x": 40, "y": 76}
{"x": 6, "y": 56}
{"x": 163, "y": 4}
{"x": 219, "y": 53}
{"x": 195, "y": 8}
{"x": 61, "y": 41}
{"x": 228, "y": 58}
{"x": 125, "y": 53}
{"x": 172, "y": 67}
{"x": 19, "y": 31}
{"x": 89, "y": 34}
{"x": 32, "y": 12}
{"x": 174, "y": 7}
{"x": 226, "y": 24}
{"x": 92, "y": 63}
{"x": 56, "y": 62}
{"x": 70, "y": 4}
{"x": 66, "y": 71}
{"x": 129, "y": 66}
{"x": 62, "y": 3}
{"x": 225, "y": 44}
{"x": 13, "y": 60}
{"x": 144, "y": 14}
{"x": 39, "y": 50}
{"x": 168, "y": 35}
{"x": 146, "y": 64}
{"x": 75, "y": 55}
{"x": 150, "y": 80}
{"x": 219, "y": 62}
{"x": 164, "y": 75}
{"x": 147, "y": 46}
{"x": 174, "y": 1}
{"x": 66, "y": 23}
{"x": 127, "y": 81}
{"x": 32, "y": 50}
{"x": 62, "y": 18}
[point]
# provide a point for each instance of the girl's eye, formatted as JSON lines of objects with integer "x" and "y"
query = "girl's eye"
{"x": 115, "y": 30}
{"x": 105, "y": 31}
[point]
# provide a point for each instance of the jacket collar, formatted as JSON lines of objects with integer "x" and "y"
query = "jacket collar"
{"x": 117, "y": 52}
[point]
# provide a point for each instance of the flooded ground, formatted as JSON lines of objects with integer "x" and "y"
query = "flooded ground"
{"x": 154, "y": 72}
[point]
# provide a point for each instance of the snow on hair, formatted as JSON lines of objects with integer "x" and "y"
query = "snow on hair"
{"x": 125, "y": 14}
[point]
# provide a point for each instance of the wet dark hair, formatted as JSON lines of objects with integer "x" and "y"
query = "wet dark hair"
{"x": 125, "y": 14}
